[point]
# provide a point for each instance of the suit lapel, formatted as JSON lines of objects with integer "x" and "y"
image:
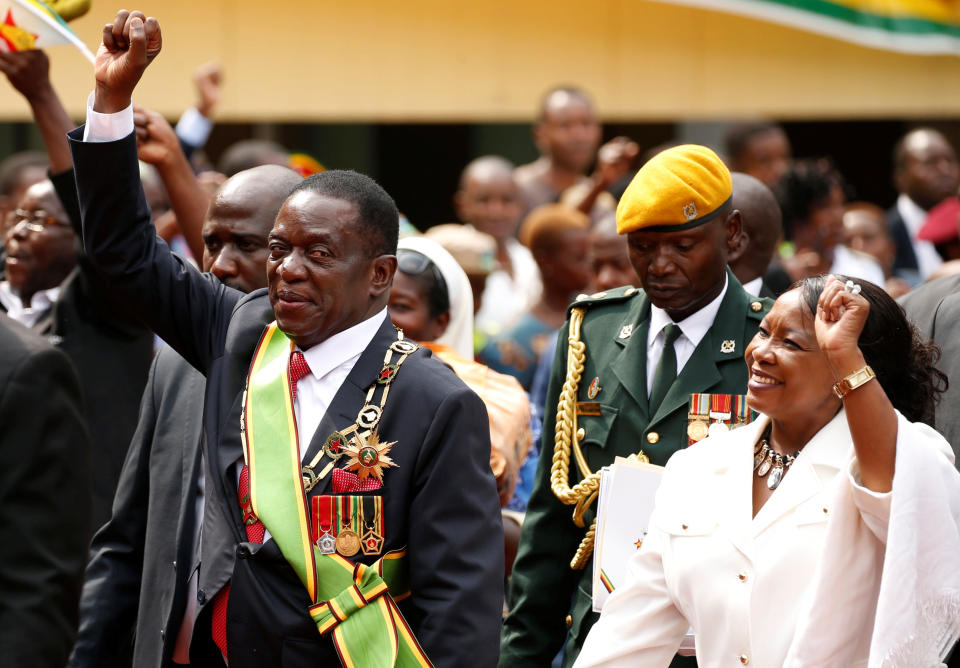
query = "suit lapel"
{"x": 349, "y": 399}
{"x": 820, "y": 459}
{"x": 630, "y": 366}
{"x": 735, "y": 492}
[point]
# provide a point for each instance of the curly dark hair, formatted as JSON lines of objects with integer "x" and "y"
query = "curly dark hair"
{"x": 805, "y": 186}
{"x": 905, "y": 364}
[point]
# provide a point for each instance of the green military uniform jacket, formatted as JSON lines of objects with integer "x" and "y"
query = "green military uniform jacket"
{"x": 547, "y": 597}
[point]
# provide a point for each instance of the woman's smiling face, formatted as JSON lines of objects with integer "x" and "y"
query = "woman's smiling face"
{"x": 788, "y": 375}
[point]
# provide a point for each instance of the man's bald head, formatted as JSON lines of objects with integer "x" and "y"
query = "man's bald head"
{"x": 761, "y": 225}
{"x": 486, "y": 169}
{"x": 925, "y": 167}
{"x": 488, "y": 197}
{"x": 238, "y": 221}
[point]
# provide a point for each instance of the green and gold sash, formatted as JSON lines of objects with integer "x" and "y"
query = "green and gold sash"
{"x": 353, "y": 602}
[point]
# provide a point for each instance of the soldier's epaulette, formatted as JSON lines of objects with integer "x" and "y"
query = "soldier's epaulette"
{"x": 606, "y": 297}
{"x": 758, "y": 307}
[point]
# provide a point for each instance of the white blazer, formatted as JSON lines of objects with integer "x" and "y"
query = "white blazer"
{"x": 738, "y": 580}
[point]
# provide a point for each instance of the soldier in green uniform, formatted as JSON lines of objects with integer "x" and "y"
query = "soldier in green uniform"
{"x": 627, "y": 363}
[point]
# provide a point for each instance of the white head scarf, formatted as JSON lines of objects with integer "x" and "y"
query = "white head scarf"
{"x": 459, "y": 333}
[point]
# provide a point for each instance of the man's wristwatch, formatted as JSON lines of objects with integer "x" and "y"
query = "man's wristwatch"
{"x": 853, "y": 381}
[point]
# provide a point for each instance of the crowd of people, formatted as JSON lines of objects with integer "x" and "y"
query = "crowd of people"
{"x": 254, "y": 417}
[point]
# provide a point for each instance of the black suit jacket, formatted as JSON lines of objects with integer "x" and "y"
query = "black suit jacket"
{"x": 111, "y": 354}
{"x": 935, "y": 309}
{"x": 141, "y": 559}
{"x": 440, "y": 500}
{"x": 44, "y": 500}
{"x": 906, "y": 258}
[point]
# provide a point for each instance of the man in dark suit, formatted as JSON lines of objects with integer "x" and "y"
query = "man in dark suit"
{"x": 329, "y": 270}
{"x": 44, "y": 499}
{"x": 935, "y": 309}
{"x": 645, "y": 352}
{"x": 925, "y": 172}
{"x": 761, "y": 225}
{"x": 66, "y": 298}
{"x": 137, "y": 584}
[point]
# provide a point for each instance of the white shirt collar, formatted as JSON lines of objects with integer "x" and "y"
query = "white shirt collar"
{"x": 694, "y": 326}
{"x": 753, "y": 287}
{"x": 343, "y": 346}
{"x": 912, "y": 213}
{"x": 41, "y": 302}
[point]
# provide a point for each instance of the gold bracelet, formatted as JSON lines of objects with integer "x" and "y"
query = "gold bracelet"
{"x": 853, "y": 381}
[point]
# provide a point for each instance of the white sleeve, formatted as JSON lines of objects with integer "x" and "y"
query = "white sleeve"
{"x": 107, "y": 127}
{"x": 194, "y": 128}
{"x": 640, "y": 626}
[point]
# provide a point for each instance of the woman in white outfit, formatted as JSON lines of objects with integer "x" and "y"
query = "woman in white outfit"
{"x": 826, "y": 533}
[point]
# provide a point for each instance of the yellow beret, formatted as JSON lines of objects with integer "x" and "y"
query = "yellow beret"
{"x": 679, "y": 188}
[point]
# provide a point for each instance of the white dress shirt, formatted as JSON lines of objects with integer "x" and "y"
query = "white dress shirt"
{"x": 507, "y": 298}
{"x": 330, "y": 363}
{"x": 41, "y": 302}
{"x": 753, "y": 287}
{"x": 914, "y": 217}
{"x": 856, "y": 265}
{"x": 693, "y": 327}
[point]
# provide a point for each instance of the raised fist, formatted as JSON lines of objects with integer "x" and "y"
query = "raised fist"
{"x": 130, "y": 43}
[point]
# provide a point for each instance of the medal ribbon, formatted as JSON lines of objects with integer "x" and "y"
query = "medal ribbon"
{"x": 352, "y": 602}
{"x": 720, "y": 407}
{"x": 742, "y": 410}
{"x": 322, "y": 515}
{"x": 700, "y": 403}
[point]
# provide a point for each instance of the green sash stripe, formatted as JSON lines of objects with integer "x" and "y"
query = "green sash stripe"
{"x": 276, "y": 489}
{"x": 352, "y": 602}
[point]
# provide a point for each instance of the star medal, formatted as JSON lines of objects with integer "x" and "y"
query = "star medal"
{"x": 385, "y": 377}
{"x": 372, "y": 541}
{"x": 368, "y": 456}
{"x": 333, "y": 446}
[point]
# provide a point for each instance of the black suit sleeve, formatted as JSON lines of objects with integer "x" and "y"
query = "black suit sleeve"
{"x": 187, "y": 309}
{"x": 111, "y": 588}
{"x": 44, "y": 510}
{"x": 456, "y": 538}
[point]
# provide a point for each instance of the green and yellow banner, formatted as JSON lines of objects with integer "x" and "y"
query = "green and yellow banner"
{"x": 907, "y": 26}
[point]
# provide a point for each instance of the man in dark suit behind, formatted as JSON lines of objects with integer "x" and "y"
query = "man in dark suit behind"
{"x": 44, "y": 499}
{"x": 143, "y": 562}
{"x": 110, "y": 352}
{"x": 935, "y": 309}
{"x": 925, "y": 172}
{"x": 332, "y": 260}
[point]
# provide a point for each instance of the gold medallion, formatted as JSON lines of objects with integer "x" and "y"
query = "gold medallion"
{"x": 697, "y": 430}
{"x": 348, "y": 542}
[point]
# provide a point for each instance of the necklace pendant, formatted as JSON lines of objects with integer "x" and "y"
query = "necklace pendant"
{"x": 766, "y": 463}
{"x": 758, "y": 458}
{"x": 775, "y": 476}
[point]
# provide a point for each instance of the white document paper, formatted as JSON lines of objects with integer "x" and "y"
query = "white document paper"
{"x": 627, "y": 493}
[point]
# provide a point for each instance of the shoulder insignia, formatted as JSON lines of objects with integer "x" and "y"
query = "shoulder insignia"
{"x": 606, "y": 297}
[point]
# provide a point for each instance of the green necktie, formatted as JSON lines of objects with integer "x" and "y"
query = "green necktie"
{"x": 666, "y": 371}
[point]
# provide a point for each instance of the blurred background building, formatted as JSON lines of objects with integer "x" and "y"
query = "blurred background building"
{"x": 409, "y": 92}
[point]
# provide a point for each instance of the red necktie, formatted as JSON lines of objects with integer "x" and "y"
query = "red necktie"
{"x": 298, "y": 369}
{"x": 253, "y": 526}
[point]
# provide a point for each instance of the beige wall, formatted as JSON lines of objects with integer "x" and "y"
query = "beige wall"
{"x": 437, "y": 60}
